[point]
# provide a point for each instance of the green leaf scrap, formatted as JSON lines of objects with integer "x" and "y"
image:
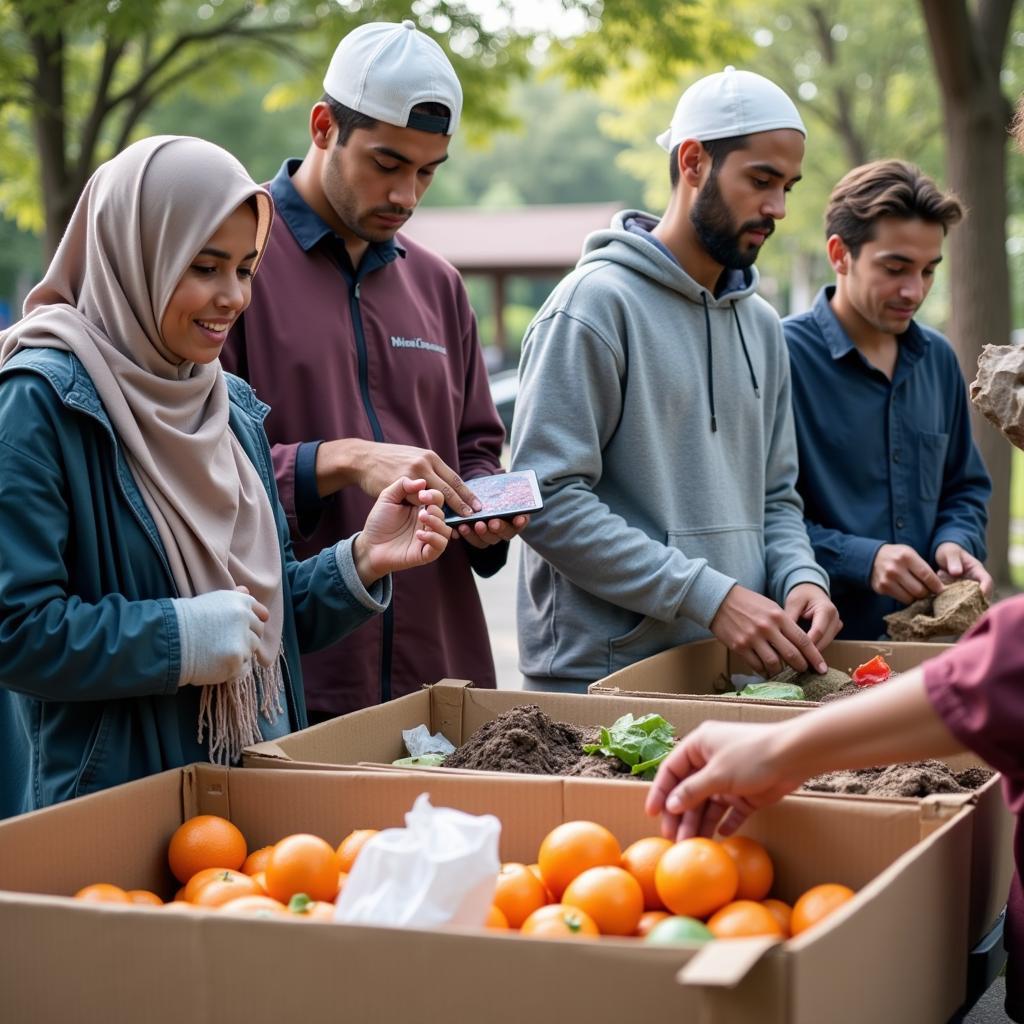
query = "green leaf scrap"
{"x": 642, "y": 743}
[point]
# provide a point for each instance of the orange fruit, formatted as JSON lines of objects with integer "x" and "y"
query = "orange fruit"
{"x": 640, "y": 859}
{"x": 225, "y": 887}
{"x": 743, "y": 918}
{"x": 306, "y": 909}
{"x": 817, "y": 903}
{"x": 518, "y": 893}
{"x": 200, "y": 878}
{"x": 556, "y": 921}
{"x": 178, "y": 905}
{"x": 255, "y": 906}
{"x": 535, "y": 868}
{"x": 350, "y": 846}
{"x": 571, "y": 848}
{"x": 206, "y": 841}
{"x": 103, "y": 892}
{"x": 754, "y": 865}
{"x": 144, "y": 897}
{"x": 648, "y": 920}
{"x": 496, "y": 919}
{"x": 610, "y": 895}
{"x": 303, "y": 863}
{"x": 782, "y": 912}
{"x": 696, "y": 877}
{"x": 256, "y": 861}
{"x": 179, "y": 896}
{"x": 260, "y": 878}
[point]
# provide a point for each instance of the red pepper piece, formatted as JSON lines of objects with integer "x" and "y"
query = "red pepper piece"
{"x": 872, "y": 672}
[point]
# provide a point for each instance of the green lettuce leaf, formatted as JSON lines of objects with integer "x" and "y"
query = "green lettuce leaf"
{"x": 642, "y": 743}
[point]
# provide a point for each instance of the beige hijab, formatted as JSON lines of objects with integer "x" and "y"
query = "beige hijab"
{"x": 141, "y": 220}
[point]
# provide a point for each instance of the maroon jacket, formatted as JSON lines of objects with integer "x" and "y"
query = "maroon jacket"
{"x": 978, "y": 690}
{"x": 388, "y": 352}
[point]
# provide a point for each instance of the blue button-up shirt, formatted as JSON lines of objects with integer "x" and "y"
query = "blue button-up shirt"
{"x": 881, "y": 462}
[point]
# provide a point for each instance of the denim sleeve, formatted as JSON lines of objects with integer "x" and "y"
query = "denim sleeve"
{"x": 846, "y": 557}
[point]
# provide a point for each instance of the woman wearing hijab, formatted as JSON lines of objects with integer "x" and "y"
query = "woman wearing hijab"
{"x": 151, "y": 610}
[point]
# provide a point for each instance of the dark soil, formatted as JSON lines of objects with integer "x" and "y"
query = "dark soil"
{"x": 916, "y": 779}
{"x": 526, "y": 741}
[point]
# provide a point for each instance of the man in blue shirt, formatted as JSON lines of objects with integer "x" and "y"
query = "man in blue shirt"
{"x": 894, "y": 490}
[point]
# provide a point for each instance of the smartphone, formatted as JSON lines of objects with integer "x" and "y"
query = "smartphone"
{"x": 503, "y": 496}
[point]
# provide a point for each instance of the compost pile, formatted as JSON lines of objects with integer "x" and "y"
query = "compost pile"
{"x": 526, "y": 741}
{"x": 914, "y": 779}
{"x": 947, "y": 614}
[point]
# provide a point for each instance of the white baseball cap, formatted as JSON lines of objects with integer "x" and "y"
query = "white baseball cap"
{"x": 730, "y": 103}
{"x": 383, "y": 70}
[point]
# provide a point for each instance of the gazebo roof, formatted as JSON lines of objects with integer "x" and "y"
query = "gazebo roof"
{"x": 526, "y": 239}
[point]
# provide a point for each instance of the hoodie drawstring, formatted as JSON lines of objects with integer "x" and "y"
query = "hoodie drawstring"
{"x": 711, "y": 376}
{"x": 743, "y": 342}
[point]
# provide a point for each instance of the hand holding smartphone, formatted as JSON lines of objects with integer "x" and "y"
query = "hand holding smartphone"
{"x": 503, "y": 496}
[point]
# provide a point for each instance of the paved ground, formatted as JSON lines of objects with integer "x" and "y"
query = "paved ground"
{"x": 498, "y": 595}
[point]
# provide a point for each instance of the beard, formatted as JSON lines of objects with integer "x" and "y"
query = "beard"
{"x": 345, "y": 203}
{"x": 716, "y": 229}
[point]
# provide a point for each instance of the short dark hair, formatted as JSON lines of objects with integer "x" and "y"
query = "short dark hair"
{"x": 886, "y": 188}
{"x": 717, "y": 149}
{"x": 348, "y": 120}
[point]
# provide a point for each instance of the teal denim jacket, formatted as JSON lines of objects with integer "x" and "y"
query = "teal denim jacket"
{"x": 90, "y": 653}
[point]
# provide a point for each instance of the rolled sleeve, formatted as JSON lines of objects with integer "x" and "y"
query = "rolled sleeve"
{"x": 374, "y": 599}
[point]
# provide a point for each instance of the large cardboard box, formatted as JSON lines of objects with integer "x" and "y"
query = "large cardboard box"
{"x": 373, "y": 737}
{"x": 703, "y": 669}
{"x": 894, "y": 953}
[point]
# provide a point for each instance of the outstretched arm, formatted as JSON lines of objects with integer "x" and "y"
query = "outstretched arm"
{"x": 722, "y": 772}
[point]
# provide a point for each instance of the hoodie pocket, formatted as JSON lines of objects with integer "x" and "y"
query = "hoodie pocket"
{"x": 932, "y": 459}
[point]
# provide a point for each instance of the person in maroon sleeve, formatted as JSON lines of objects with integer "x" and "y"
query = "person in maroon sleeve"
{"x": 969, "y": 697}
{"x": 365, "y": 347}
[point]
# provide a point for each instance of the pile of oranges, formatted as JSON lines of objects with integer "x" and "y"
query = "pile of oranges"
{"x": 300, "y": 876}
{"x": 583, "y": 883}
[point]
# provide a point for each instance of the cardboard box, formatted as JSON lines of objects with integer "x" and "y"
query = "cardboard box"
{"x": 894, "y": 953}
{"x": 703, "y": 669}
{"x": 373, "y": 738}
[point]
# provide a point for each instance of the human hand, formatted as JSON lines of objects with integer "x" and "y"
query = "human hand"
{"x": 220, "y": 632}
{"x": 900, "y": 572}
{"x": 956, "y": 563}
{"x": 373, "y": 466}
{"x": 763, "y": 634}
{"x": 405, "y": 528}
{"x": 715, "y": 777}
{"x": 808, "y": 601}
{"x": 483, "y": 534}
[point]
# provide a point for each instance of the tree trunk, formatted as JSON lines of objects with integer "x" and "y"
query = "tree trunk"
{"x": 967, "y": 42}
{"x": 980, "y": 286}
{"x": 59, "y": 196}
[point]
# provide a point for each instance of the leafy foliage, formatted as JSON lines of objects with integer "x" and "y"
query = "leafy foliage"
{"x": 642, "y": 743}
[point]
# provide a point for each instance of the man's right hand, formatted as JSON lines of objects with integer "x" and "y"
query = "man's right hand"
{"x": 900, "y": 572}
{"x": 374, "y": 466}
{"x": 763, "y": 635}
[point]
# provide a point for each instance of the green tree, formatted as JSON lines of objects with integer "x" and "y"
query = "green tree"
{"x": 78, "y": 78}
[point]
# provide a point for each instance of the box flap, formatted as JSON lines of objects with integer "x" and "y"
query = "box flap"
{"x": 725, "y": 964}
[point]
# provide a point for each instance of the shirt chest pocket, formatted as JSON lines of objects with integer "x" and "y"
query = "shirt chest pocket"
{"x": 932, "y": 461}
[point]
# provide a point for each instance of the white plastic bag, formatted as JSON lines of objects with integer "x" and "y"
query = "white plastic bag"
{"x": 418, "y": 742}
{"x": 440, "y": 869}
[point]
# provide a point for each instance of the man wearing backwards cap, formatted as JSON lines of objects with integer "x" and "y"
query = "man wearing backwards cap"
{"x": 364, "y": 339}
{"x": 654, "y": 405}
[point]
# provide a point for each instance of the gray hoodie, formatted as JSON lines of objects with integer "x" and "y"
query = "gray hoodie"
{"x": 657, "y": 417}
